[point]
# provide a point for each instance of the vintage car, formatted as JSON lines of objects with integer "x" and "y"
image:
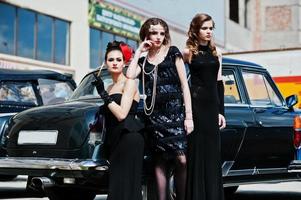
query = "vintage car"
{"x": 24, "y": 89}
{"x": 61, "y": 147}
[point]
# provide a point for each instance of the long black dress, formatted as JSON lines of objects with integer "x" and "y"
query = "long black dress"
{"x": 166, "y": 124}
{"x": 125, "y": 147}
{"x": 204, "y": 179}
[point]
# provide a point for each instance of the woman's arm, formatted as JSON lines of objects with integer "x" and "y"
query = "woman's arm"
{"x": 185, "y": 54}
{"x": 121, "y": 111}
{"x": 133, "y": 70}
{"x": 220, "y": 91}
{"x": 220, "y": 56}
{"x": 186, "y": 95}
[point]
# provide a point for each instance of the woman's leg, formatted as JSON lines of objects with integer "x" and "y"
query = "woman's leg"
{"x": 160, "y": 172}
{"x": 180, "y": 176}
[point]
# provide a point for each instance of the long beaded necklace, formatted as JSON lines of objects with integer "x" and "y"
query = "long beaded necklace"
{"x": 149, "y": 110}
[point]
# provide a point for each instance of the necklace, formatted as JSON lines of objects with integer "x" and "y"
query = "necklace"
{"x": 149, "y": 110}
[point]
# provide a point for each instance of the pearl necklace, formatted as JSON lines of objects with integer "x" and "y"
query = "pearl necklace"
{"x": 149, "y": 110}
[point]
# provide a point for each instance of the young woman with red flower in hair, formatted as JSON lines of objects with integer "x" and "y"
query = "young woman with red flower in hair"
{"x": 124, "y": 143}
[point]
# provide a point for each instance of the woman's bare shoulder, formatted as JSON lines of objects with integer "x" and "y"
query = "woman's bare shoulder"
{"x": 185, "y": 53}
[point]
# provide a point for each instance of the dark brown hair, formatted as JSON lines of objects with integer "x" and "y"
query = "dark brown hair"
{"x": 192, "y": 42}
{"x": 115, "y": 45}
{"x": 144, "y": 30}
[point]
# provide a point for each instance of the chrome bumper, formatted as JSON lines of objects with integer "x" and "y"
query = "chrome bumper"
{"x": 295, "y": 166}
{"x": 53, "y": 164}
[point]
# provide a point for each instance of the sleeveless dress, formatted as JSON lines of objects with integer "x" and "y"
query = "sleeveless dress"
{"x": 125, "y": 146}
{"x": 204, "y": 178}
{"x": 165, "y": 125}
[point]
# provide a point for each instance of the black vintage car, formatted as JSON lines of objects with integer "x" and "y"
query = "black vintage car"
{"x": 24, "y": 89}
{"x": 60, "y": 147}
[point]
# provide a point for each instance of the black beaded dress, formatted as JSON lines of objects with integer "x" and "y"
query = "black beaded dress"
{"x": 204, "y": 179}
{"x": 125, "y": 146}
{"x": 166, "y": 123}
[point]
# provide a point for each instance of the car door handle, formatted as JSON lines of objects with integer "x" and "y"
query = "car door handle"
{"x": 259, "y": 110}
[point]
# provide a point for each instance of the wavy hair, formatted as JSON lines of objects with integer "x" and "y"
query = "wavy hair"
{"x": 144, "y": 30}
{"x": 192, "y": 42}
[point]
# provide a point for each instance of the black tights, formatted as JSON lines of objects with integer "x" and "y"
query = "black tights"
{"x": 162, "y": 168}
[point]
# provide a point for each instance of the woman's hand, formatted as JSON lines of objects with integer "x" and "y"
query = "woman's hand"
{"x": 188, "y": 125}
{"x": 221, "y": 121}
{"x": 145, "y": 46}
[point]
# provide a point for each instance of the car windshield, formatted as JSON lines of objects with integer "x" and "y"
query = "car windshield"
{"x": 87, "y": 90}
{"x": 54, "y": 91}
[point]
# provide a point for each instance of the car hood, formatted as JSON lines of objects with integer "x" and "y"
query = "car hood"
{"x": 72, "y": 120}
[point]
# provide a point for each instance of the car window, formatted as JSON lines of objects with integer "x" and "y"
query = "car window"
{"x": 53, "y": 91}
{"x": 17, "y": 92}
{"x": 260, "y": 90}
{"x": 231, "y": 89}
{"x": 87, "y": 90}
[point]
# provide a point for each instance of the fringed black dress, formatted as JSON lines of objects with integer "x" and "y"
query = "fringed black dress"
{"x": 165, "y": 124}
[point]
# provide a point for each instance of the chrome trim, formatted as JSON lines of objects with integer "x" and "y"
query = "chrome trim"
{"x": 257, "y": 171}
{"x": 227, "y": 165}
{"x": 237, "y": 105}
{"x": 53, "y": 164}
{"x": 7, "y": 114}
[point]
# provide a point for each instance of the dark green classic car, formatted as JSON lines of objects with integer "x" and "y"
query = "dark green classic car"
{"x": 61, "y": 147}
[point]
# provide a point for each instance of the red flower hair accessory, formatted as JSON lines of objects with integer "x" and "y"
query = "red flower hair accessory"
{"x": 126, "y": 51}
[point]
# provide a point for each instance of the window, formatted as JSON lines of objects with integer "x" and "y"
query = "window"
{"x": 98, "y": 44}
{"x": 33, "y": 35}
{"x": 61, "y": 43}
{"x": 231, "y": 89}
{"x": 234, "y": 10}
{"x": 7, "y": 21}
{"x": 44, "y": 39}
{"x": 25, "y": 34}
{"x": 260, "y": 91}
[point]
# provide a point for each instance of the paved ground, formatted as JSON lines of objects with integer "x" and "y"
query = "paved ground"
{"x": 15, "y": 190}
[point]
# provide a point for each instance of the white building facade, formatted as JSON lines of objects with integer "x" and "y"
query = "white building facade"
{"x": 70, "y": 36}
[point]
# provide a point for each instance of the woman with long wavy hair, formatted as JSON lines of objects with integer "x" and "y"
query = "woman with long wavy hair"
{"x": 204, "y": 177}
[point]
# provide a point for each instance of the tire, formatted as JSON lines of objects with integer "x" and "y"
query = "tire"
{"x": 229, "y": 191}
{"x": 63, "y": 193}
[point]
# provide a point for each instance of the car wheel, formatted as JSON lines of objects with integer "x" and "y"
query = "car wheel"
{"x": 62, "y": 193}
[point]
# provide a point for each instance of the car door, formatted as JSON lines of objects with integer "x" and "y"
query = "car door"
{"x": 270, "y": 142}
{"x": 239, "y": 117}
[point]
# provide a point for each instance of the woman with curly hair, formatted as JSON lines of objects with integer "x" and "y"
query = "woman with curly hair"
{"x": 204, "y": 178}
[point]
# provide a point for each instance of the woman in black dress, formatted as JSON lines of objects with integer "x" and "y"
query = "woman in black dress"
{"x": 166, "y": 90}
{"x": 124, "y": 143}
{"x": 204, "y": 179}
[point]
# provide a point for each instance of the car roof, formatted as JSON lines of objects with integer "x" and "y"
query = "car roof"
{"x": 231, "y": 61}
{"x": 12, "y": 74}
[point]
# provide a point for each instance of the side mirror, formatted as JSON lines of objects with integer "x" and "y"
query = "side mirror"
{"x": 291, "y": 100}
